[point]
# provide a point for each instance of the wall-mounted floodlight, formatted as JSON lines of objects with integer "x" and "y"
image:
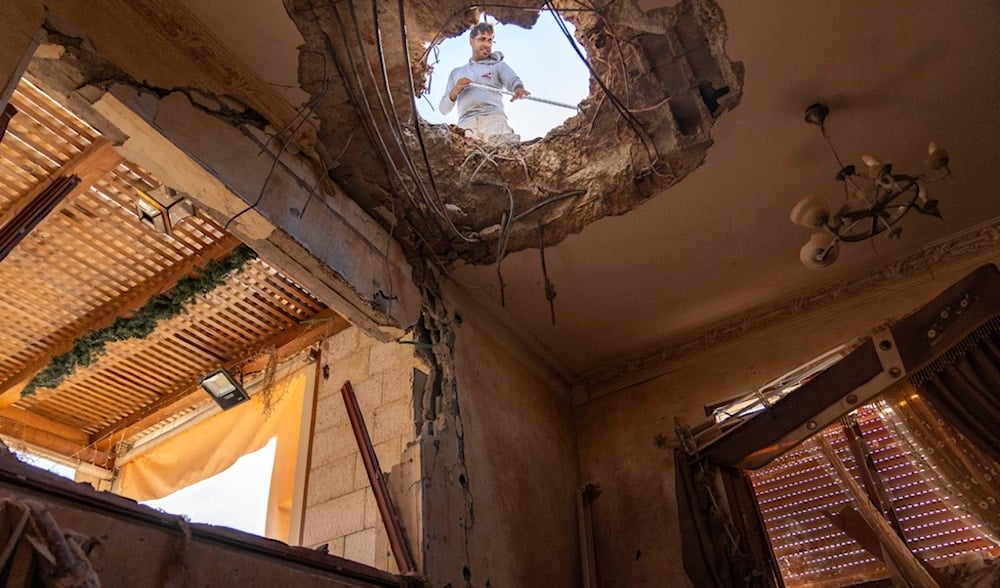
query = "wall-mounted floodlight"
{"x": 221, "y": 386}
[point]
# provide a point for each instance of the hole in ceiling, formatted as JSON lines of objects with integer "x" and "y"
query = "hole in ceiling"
{"x": 656, "y": 84}
{"x": 560, "y": 76}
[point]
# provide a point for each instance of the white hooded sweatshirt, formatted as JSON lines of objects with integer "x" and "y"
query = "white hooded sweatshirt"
{"x": 474, "y": 102}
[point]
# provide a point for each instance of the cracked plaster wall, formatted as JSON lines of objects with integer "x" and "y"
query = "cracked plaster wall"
{"x": 499, "y": 458}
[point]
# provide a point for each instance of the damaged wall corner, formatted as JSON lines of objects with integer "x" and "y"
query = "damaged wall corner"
{"x": 499, "y": 455}
{"x": 335, "y": 249}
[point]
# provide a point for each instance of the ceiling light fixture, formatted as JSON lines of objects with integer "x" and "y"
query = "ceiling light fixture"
{"x": 225, "y": 390}
{"x": 162, "y": 208}
{"x": 875, "y": 199}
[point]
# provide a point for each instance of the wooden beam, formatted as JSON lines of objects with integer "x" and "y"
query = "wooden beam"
{"x": 8, "y": 113}
{"x": 21, "y": 425}
{"x": 72, "y": 178}
{"x": 178, "y": 400}
{"x": 90, "y": 165}
{"x": 10, "y": 390}
{"x": 38, "y": 421}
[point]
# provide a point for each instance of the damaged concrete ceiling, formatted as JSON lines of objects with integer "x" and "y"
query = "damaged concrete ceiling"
{"x": 475, "y": 201}
{"x": 711, "y": 97}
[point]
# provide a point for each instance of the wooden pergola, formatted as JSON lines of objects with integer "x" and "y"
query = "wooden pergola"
{"x": 74, "y": 257}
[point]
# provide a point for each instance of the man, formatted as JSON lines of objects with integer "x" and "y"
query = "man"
{"x": 480, "y": 111}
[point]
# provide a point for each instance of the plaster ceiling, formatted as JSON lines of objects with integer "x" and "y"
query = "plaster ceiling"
{"x": 719, "y": 242}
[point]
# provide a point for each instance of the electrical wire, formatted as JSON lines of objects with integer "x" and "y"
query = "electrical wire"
{"x": 310, "y": 107}
{"x": 415, "y": 118}
{"x": 626, "y": 114}
{"x": 409, "y": 77}
{"x": 393, "y": 128}
{"x": 360, "y": 97}
{"x": 393, "y": 121}
{"x": 326, "y": 172}
{"x": 548, "y": 201}
{"x": 506, "y": 221}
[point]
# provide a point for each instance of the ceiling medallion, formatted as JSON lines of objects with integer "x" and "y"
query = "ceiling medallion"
{"x": 876, "y": 198}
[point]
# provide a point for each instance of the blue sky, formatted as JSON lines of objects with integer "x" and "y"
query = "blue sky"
{"x": 544, "y": 59}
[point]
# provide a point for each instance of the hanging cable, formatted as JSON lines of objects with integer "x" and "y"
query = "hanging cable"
{"x": 309, "y": 107}
{"x": 368, "y": 118}
{"x": 395, "y": 125}
{"x": 550, "y": 289}
{"x": 389, "y": 120}
{"x": 506, "y": 221}
{"x": 409, "y": 76}
{"x": 326, "y": 172}
{"x": 647, "y": 142}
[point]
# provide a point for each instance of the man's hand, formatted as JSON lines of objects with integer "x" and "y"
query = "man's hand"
{"x": 460, "y": 87}
{"x": 519, "y": 92}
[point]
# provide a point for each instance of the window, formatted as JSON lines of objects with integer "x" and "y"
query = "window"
{"x": 235, "y": 497}
{"x": 797, "y": 492}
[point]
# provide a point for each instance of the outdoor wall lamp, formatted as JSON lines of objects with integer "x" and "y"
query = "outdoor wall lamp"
{"x": 162, "y": 208}
{"x": 221, "y": 386}
{"x": 875, "y": 199}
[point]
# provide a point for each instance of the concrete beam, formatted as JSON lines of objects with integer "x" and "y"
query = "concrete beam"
{"x": 335, "y": 250}
{"x": 19, "y": 23}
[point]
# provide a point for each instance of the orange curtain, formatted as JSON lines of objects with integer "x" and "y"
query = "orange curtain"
{"x": 215, "y": 444}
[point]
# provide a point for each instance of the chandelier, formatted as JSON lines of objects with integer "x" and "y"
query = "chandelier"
{"x": 876, "y": 198}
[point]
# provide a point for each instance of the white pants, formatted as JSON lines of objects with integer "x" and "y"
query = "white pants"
{"x": 485, "y": 126}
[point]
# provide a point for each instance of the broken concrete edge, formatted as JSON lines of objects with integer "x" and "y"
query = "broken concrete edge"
{"x": 343, "y": 277}
{"x": 446, "y": 503}
{"x": 682, "y": 83}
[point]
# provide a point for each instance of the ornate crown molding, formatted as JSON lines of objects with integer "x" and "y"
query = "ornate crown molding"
{"x": 956, "y": 252}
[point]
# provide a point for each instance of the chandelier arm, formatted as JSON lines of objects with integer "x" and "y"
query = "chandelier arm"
{"x": 829, "y": 142}
{"x": 874, "y": 202}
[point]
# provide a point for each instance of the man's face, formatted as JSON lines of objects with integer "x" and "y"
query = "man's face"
{"x": 482, "y": 46}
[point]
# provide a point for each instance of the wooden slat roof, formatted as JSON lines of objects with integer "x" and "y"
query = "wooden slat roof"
{"x": 89, "y": 262}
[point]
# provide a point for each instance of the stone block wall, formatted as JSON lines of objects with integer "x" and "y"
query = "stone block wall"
{"x": 340, "y": 508}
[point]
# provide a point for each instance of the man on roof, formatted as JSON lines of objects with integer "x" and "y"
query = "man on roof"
{"x": 480, "y": 111}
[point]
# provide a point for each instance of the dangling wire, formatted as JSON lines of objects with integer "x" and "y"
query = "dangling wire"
{"x": 309, "y": 108}
{"x": 647, "y": 142}
{"x": 506, "y": 220}
{"x": 550, "y": 289}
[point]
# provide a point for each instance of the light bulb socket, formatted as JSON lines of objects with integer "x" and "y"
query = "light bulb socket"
{"x": 816, "y": 114}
